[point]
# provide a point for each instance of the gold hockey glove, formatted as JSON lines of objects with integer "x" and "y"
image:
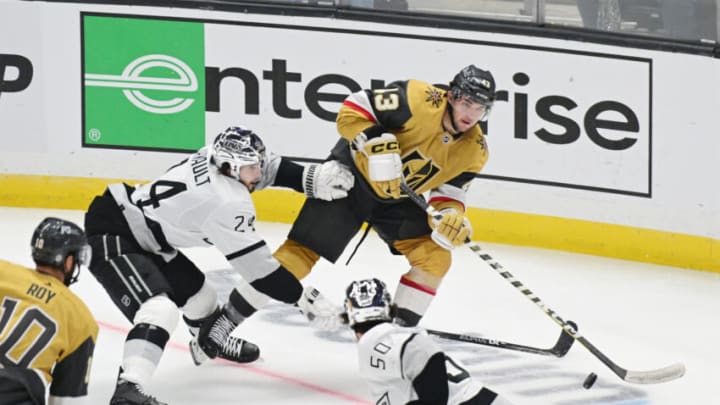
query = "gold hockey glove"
{"x": 452, "y": 229}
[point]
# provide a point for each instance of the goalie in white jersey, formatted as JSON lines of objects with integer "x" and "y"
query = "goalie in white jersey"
{"x": 202, "y": 201}
{"x": 403, "y": 365}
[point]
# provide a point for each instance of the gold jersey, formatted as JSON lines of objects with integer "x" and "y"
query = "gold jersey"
{"x": 433, "y": 159}
{"x": 46, "y": 328}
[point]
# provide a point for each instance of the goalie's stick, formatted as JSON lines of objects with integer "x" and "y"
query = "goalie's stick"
{"x": 561, "y": 347}
{"x": 668, "y": 373}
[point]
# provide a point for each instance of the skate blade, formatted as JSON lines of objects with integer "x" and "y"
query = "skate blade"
{"x": 198, "y": 355}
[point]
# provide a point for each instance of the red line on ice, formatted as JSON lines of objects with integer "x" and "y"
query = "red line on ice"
{"x": 256, "y": 370}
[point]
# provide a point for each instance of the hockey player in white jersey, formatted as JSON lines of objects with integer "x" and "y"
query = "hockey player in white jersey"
{"x": 202, "y": 201}
{"x": 403, "y": 365}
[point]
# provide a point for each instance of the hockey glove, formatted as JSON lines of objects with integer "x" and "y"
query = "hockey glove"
{"x": 384, "y": 164}
{"x": 452, "y": 230}
{"x": 328, "y": 181}
{"x": 321, "y": 313}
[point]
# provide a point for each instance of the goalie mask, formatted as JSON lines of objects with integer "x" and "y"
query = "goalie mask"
{"x": 54, "y": 240}
{"x": 237, "y": 147}
{"x": 367, "y": 300}
{"x": 476, "y": 84}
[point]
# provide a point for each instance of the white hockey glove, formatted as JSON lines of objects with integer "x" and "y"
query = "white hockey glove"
{"x": 328, "y": 181}
{"x": 452, "y": 230}
{"x": 321, "y": 313}
{"x": 384, "y": 164}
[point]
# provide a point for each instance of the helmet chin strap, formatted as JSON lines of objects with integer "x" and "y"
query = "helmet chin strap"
{"x": 72, "y": 276}
{"x": 450, "y": 111}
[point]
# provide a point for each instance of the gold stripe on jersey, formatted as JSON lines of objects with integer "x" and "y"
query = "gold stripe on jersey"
{"x": 42, "y": 323}
{"x": 431, "y": 156}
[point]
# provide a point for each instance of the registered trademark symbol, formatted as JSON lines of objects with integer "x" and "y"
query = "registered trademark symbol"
{"x": 94, "y": 134}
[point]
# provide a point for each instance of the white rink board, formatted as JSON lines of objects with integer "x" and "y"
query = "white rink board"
{"x": 578, "y": 163}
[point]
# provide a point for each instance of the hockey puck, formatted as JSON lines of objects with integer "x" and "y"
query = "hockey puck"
{"x": 589, "y": 381}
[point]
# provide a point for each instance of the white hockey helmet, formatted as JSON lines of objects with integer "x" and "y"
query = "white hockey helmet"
{"x": 367, "y": 300}
{"x": 237, "y": 147}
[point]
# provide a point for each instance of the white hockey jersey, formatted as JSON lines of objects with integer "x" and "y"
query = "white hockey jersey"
{"x": 391, "y": 357}
{"x": 193, "y": 205}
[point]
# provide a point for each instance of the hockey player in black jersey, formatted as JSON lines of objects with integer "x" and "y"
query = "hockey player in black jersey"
{"x": 403, "y": 365}
{"x": 47, "y": 333}
{"x": 204, "y": 200}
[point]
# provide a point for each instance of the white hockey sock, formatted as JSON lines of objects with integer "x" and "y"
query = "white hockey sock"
{"x": 413, "y": 297}
{"x": 139, "y": 369}
{"x": 201, "y": 304}
{"x": 154, "y": 322}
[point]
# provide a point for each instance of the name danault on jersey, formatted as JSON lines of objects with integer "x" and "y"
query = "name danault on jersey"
{"x": 199, "y": 163}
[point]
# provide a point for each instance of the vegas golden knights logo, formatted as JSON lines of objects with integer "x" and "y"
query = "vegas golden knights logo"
{"x": 417, "y": 170}
{"x": 433, "y": 96}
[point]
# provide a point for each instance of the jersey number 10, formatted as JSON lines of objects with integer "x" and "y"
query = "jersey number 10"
{"x": 22, "y": 326}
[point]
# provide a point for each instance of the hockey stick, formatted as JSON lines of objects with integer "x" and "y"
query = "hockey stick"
{"x": 668, "y": 373}
{"x": 561, "y": 347}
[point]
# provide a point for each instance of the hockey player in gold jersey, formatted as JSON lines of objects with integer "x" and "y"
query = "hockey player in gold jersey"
{"x": 414, "y": 132}
{"x": 47, "y": 334}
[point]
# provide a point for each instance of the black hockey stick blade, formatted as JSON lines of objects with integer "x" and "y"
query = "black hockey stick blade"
{"x": 565, "y": 341}
{"x": 560, "y": 349}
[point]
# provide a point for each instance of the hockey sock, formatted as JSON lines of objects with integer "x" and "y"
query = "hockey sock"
{"x": 143, "y": 349}
{"x": 412, "y": 300}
